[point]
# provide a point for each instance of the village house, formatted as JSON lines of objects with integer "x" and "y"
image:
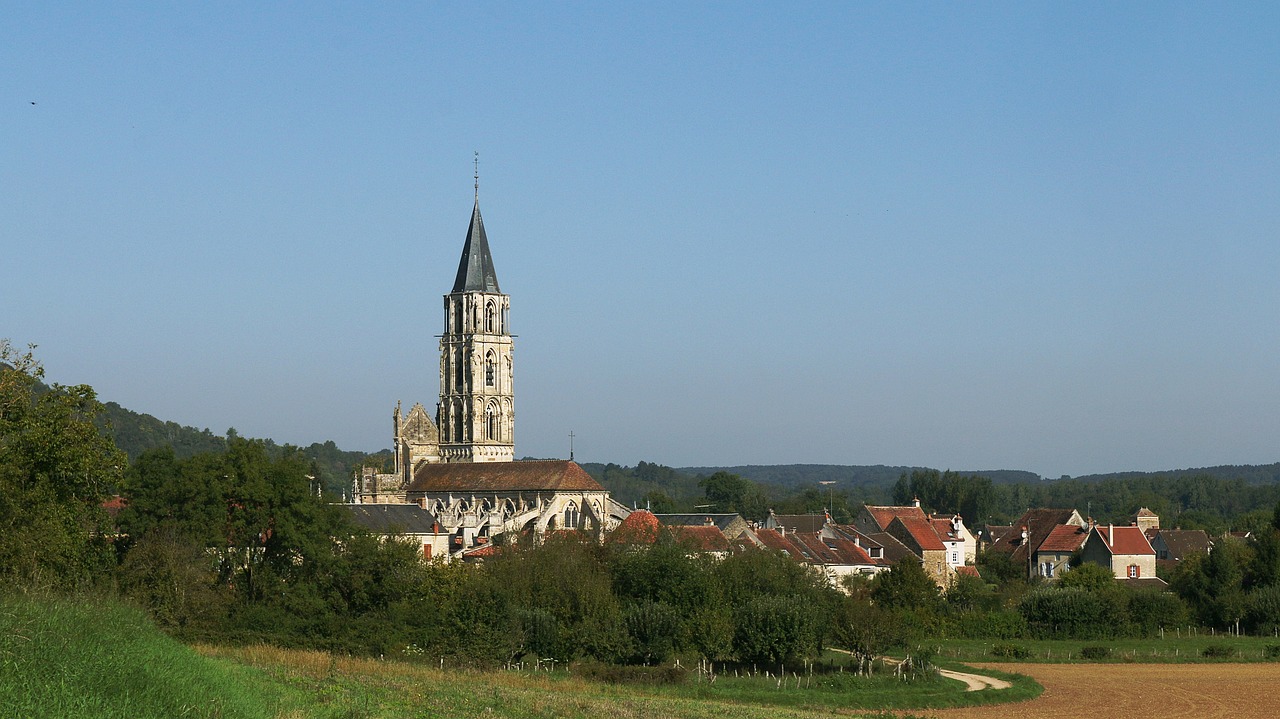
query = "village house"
{"x": 1124, "y": 551}
{"x": 915, "y": 530}
{"x": 834, "y": 557}
{"x": 1054, "y": 554}
{"x": 1175, "y": 545}
{"x": 403, "y": 522}
{"x": 1030, "y": 531}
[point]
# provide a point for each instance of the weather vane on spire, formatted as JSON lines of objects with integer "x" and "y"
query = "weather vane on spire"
{"x": 477, "y": 175}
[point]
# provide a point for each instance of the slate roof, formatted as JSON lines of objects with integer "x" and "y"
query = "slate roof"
{"x": 1123, "y": 540}
{"x": 543, "y": 475}
{"x": 393, "y": 518}
{"x": 475, "y": 270}
{"x": 1182, "y": 543}
{"x": 802, "y": 523}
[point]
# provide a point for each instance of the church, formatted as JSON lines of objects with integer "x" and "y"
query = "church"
{"x": 459, "y": 471}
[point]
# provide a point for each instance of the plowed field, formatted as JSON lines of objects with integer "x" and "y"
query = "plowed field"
{"x": 1139, "y": 691}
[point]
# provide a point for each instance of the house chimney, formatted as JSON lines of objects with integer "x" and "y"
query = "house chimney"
{"x": 916, "y": 502}
{"x": 1111, "y": 534}
{"x": 707, "y": 522}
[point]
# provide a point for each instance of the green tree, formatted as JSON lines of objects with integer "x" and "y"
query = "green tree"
{"x": 55, "y": 471}
{"x": 905, "y": 586}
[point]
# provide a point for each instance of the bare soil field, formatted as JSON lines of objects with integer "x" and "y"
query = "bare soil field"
{"x": 1138, "y": 691}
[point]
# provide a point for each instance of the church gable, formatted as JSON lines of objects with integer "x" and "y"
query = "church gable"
{"x": 418, "y": 427}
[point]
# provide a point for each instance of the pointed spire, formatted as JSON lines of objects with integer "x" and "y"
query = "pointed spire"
{"x": 475, "y": 270}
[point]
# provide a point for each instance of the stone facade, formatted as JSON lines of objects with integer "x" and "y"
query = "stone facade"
{"x": 460, "y": 468}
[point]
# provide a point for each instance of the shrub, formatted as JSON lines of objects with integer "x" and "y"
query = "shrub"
{"x": 1095, "y": 652}
{"x": 1217, "y": 651}
{"x": 1272, "y": 651}
{"x": 1010, "y": 651}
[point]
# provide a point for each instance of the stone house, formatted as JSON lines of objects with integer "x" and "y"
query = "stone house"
{"x": 404, "y": 522}
{"x": 1123, "y": 550}
{"x": 1053, "y": 555}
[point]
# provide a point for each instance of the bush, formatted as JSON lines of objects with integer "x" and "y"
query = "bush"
{"x": 1095, "y": 652}
{"x": 1003, "y": 624}
{"x": 1272, "y": 651}
{"x": 1217, "y": 651}
{"x": 1010, "y": 651}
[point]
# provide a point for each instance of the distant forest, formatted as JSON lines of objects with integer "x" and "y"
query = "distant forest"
{"x": 1213, "y": 498}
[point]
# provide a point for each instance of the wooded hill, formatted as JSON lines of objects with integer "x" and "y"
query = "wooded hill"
{"x": 1211, "y": 497}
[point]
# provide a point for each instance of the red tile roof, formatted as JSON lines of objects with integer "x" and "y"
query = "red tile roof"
{"x": 921, "y": 530}
{"x": 703, "y": 539}
{"x": 942, "y": 527}
{"x": 1064, "y": 538}
{"x": 552, "y": 475}
{"x": 811, "y": 549}
{"x": 1123, "y": 540}
{"x": 968, "y": 570}
{"x": 884, "y": 515}
{"x": 640, "y": 527}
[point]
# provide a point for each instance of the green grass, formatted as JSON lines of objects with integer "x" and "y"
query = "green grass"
{"x": 376, "y": 689}
{"x": 64, "y": 659}
{"x": 1172, "y": 648}
{"x": 97, "y": 658}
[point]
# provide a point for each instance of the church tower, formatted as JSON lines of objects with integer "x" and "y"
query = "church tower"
{"x": 476, "y": 416}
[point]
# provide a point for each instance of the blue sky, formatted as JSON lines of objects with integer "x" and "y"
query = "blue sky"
{"x": 1019, "y": 235}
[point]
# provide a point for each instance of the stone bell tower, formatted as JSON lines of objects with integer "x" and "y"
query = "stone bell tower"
{"x": 476, "y": 415}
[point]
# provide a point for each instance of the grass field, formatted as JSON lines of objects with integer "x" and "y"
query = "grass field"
{"x": 376, "y": 689}
{"x": 1172, "y": 648}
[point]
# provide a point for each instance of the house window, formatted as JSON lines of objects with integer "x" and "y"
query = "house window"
{"x": 1134, "y": 571}
{"x": 955, "y": 557}
{"x": 1046, "y": 570}
{"x": 426, "y": 551}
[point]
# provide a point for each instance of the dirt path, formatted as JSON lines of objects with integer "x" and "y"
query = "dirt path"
{"x": 1138, "y": 691}
{"x": 975, "y": 682}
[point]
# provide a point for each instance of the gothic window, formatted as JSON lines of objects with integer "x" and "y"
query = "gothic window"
{"x": 571, "y": 516}
{"x": 490, "y": 369}
{"x": 491, "y": 422}
{"x": 457, "y": 422}
{"x": 490, "y": 317}
{"x": 459, "y": 365}
{"x": 457, "y": 316}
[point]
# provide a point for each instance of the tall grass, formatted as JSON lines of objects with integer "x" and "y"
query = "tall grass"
{"x": 63, "y": 659}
